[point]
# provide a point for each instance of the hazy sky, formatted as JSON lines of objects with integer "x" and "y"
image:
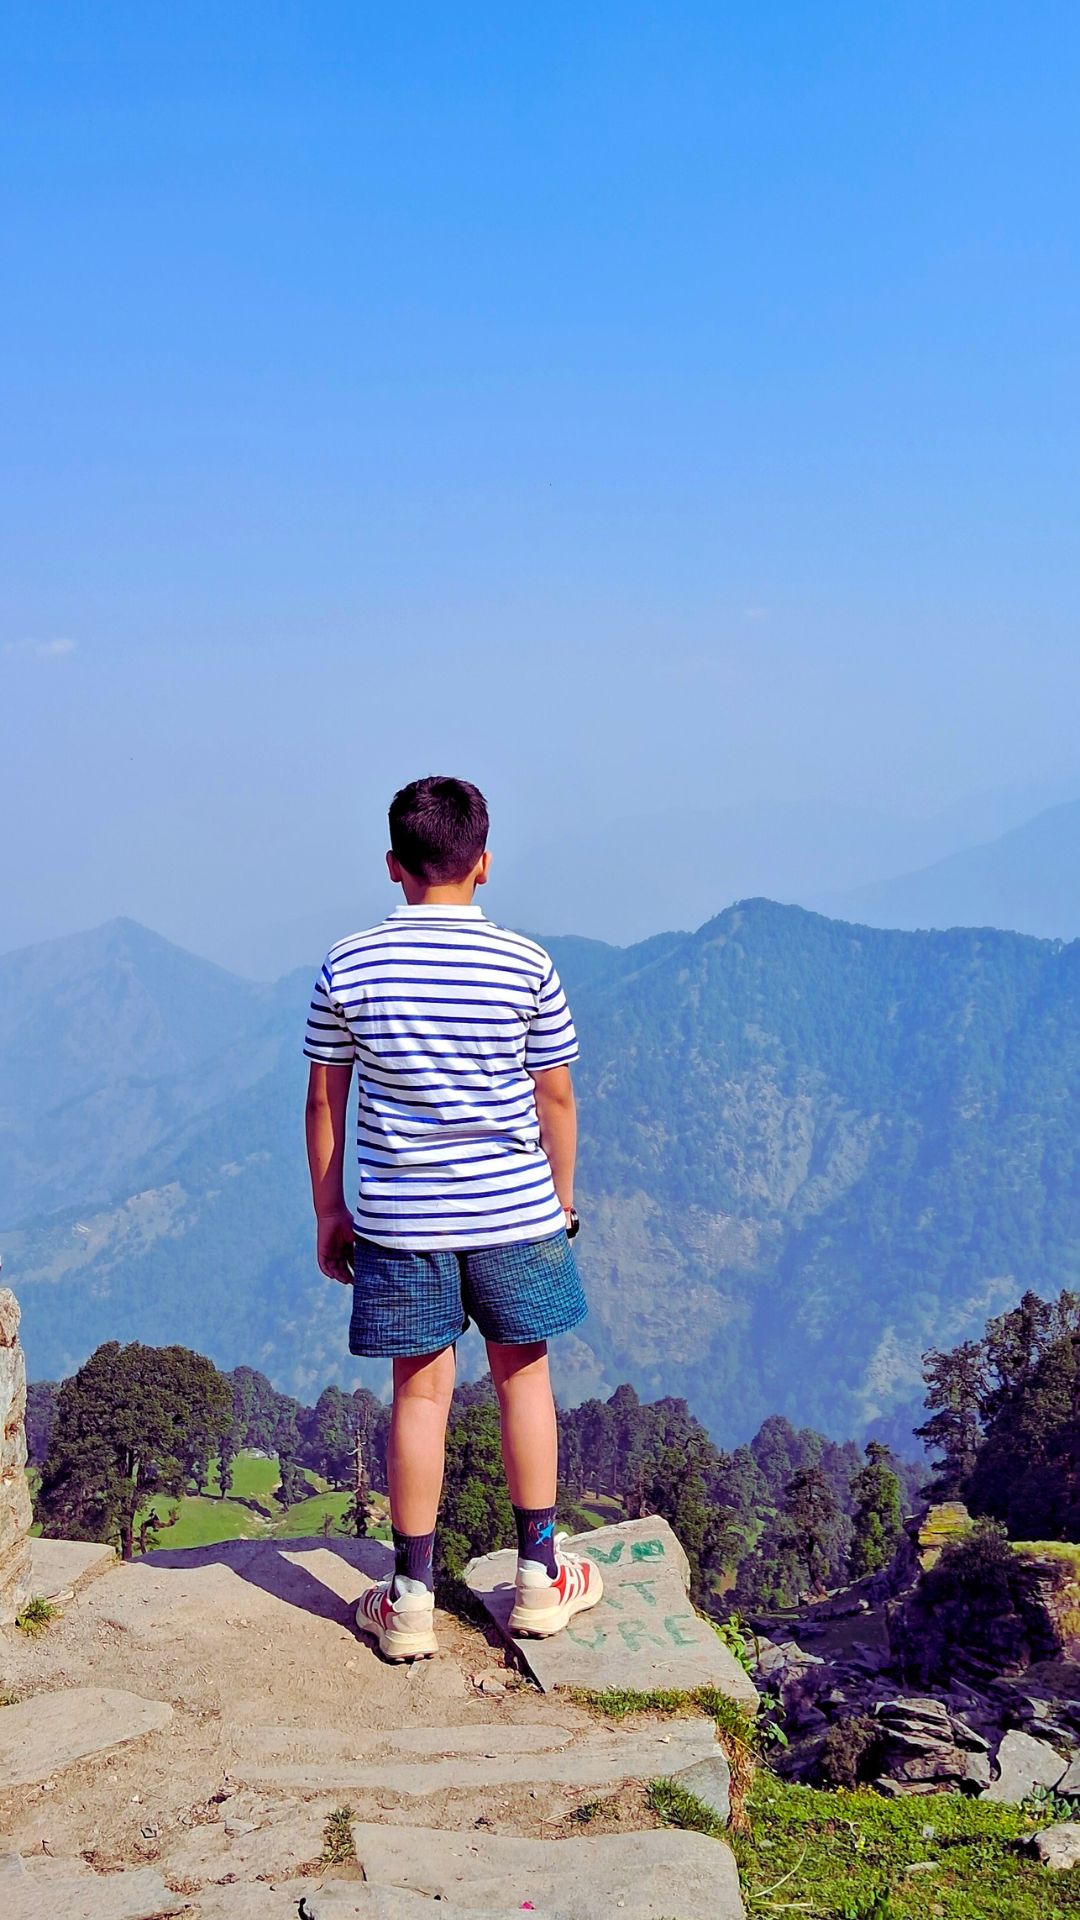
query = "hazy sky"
{"x": 630, "y": 407}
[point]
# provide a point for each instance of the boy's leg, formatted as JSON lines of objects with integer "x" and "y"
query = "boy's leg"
{"x": 530, "y": 1439}
{"x": 530, "y": 1445}
{"x": 399, "y": 1610}
{"x": 423, "y": 1386}
{"x": 551, "y": 1587}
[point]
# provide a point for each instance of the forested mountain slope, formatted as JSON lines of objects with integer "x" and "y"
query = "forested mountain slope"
{"x": 809, "y": 1150}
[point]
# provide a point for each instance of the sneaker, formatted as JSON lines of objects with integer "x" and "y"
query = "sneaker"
{"x": 404, "y": 1625}
{"x": 543, "y": 1605}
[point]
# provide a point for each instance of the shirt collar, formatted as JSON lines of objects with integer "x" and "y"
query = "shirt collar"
{"x": 440, "y": 910}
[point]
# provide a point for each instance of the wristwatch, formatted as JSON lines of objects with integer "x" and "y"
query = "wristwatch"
{"x": 573, "y": 1224}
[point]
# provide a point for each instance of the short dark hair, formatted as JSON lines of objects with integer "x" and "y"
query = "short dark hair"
{"x": 438, "y": 828}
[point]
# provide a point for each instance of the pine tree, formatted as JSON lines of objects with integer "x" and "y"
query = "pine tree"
{"x": 675, "y": 1486}
{"x": 955, "y": 1390}
{"x": 875, "y": 1491}
{"x": 134, "y": 1421}
{"x": 812, "y": 1515}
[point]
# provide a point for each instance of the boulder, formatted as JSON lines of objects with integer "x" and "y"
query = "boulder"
{"x": 1053, "y": 1574}
{"x": 1022, "y": 1765}
{"x": 643, "y": 1634}
{"x": 1058, "y": 1847}
{"x": 59, "y": 1567}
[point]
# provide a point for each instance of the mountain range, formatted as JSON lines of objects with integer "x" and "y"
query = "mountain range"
{"x": 809, "y": 1151}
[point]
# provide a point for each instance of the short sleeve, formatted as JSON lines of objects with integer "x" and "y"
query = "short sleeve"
{"x": 552, "y": 1041}
{"x": 327, "y": 1038}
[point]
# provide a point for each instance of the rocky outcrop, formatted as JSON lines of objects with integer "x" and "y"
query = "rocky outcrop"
{"x": 849, "y": 1722}
{"x": 1053, "y": 1595}
{"x": 939, "y": 1527}
{"x": 15, "y": 1509}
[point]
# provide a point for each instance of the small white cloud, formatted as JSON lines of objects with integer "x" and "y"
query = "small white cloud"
{"x": 41, "y": 649}
{"x": 756, "y": 613}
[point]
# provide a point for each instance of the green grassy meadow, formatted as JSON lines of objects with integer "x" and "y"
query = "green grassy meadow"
{"x": 252, "y": 1510}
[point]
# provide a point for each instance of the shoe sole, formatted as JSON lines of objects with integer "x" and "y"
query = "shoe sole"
{"x": 538, "y": 1623}
{"x": 397, "y": 1645}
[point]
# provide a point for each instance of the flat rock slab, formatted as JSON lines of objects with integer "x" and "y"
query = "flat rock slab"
{"x": 253, "y": 1837}
{"x": 1023, "y": 1765}
{"x": 245, "y": 1580}
{"x": 69, "y": 1890}
{"x": 61, "y": 1566}
{"x": 41, "y": 1735}
{"x": 641, "y": 1876}
{"x": 393, "y": 1903}
{"x": 492, "y": 1756}
{"x": 251, "y": 1900}
{"x": 710, "y": 1781}
{"x": 643, "y": 1634}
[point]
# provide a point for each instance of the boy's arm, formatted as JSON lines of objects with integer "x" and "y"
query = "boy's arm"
{"x": 558, "y": 1128}
{"x": 325, "y": 1125}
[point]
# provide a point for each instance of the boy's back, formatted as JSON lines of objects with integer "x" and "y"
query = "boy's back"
{"x": 446, "y": 1017}
{"x": 459, "y": 1037}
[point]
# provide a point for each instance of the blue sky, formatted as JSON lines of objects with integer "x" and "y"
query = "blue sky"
{"x": 635, "y": 408}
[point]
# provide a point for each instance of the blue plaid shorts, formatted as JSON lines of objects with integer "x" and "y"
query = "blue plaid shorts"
{"x": 408, "y": 1303}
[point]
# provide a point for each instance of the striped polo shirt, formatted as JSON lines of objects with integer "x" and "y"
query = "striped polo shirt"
{"x": 445, "y": 1015}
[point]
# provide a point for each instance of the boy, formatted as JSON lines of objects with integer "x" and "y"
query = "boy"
{"x": 461, "y": 1041}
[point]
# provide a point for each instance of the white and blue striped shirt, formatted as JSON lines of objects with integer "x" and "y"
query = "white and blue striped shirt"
{"x": 445, "y": 1016}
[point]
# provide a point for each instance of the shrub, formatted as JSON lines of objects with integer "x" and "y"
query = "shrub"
{"x": 974, "y": 1602}
{"x": 851, "y": 1751}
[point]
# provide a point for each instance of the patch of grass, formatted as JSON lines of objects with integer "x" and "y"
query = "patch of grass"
{"x": 202, "y": 1522}
{"x": 35, "y": 1616}
{"x": 307, "y": 1516}
{"x": 738, "y": 1733}
{"x": 674, "y": 1806}
{"x": 1067, "y": 1551}
{"x": 587, "y": 1812}
{"x": 338, "y": 1846}
{"x": 615, "y": 1703}
{"x": 848, "y": 1856}
{"x": 7, "y": 1698}
{"x": 253, "y": 1476}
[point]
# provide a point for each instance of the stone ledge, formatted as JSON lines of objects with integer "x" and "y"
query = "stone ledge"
{"x": 642, "y": 1876}
{"x": 644, "y": 1634}
{"x": 63, "y": 1566}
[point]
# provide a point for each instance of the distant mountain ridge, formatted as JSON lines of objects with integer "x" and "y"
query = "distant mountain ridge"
{"x": 1028, "y": 880}
{"x": 809, "y": 1150}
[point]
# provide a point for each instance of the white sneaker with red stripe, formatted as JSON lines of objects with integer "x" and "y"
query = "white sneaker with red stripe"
{"x": 403, "y": 1624}
{"x": 543, "y": 1605}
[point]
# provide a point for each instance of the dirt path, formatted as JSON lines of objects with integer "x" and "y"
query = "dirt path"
{"x": 274, "y": 1714}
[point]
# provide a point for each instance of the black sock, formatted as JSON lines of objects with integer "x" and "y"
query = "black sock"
{"x": 536, "y": 1536}
{"x": 414, "y": 1555}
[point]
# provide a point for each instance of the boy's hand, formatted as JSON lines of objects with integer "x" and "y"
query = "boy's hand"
{"x": 335, "y": 1245}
